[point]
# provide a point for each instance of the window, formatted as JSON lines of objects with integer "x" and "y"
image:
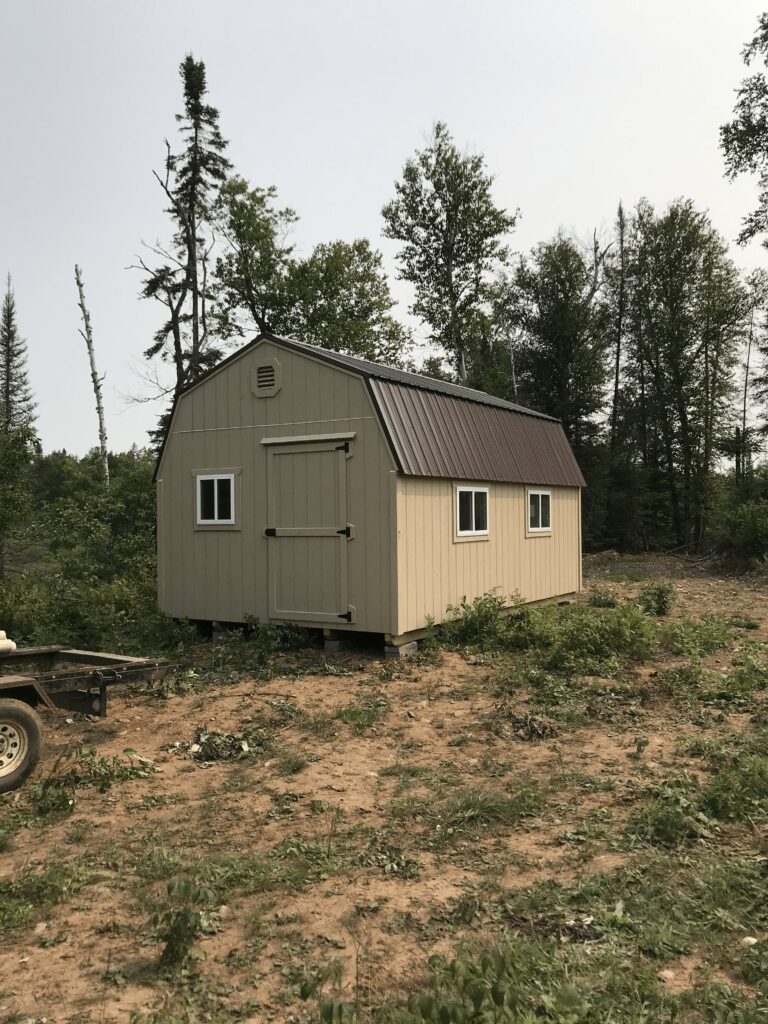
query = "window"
{"x": 471, "y": 511}
{"x": 216, "y": 500}
{"x": 539, "y": 511}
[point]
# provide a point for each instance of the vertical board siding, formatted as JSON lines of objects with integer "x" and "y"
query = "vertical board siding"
{"x": 435, "y": 571}
{"x": 223, "y": 574}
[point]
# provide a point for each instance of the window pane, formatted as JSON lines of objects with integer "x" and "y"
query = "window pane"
{"x": 224, "y": 499}
{"x": 465, "y": 511}
{"x": 533, "y": 511}
{"x": 207, "y": 501}
{"x": 481, "y": 510}
{"x": 545, "y": 516}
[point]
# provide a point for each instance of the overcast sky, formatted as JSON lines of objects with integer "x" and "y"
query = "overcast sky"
{"x": 574, "y": 104}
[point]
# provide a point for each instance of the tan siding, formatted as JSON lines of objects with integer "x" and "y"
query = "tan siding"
{"x": 222, "y": 574}
{"x": 434, "y": 570}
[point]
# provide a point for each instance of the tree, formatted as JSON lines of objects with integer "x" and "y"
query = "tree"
{"x": 252, "y": 272}
{"x": 452, "y": 241}
{"x": 562, "y": 355}
{"x": 17, "y": 405}
{"x": 338, "y": 297}
{"x": 744, "y": 140}
{"x": 86, "y": 333}
{"x": 685, "y": 320}
{"x": 18, "y": 447}
{"x": 179, "y": 281}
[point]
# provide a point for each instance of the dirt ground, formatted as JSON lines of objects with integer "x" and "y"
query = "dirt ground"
{"x": 349, "y": 870}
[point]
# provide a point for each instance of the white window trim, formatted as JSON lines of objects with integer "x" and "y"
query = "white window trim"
{"x": 215, "y": 476}
{"x": 473, "y": 533}
{"x": 538, "y": 529}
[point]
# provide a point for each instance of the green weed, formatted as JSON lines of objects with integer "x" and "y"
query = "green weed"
{"x": 738, "y": 792}
{"x": 656, "y": 598}
{"x": 600, "y": 597}
{"x": 183, "y": 921}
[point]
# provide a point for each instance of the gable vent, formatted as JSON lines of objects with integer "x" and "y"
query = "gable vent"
{"x": 265, "y": 377}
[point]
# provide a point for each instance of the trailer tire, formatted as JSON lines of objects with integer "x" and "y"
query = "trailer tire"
{"x": 21, "y": 743}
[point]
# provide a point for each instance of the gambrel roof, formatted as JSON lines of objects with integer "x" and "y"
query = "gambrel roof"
{"x": 438, "y": 429}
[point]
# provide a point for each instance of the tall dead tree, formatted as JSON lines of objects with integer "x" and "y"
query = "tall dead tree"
{"x": 86, "y": 332}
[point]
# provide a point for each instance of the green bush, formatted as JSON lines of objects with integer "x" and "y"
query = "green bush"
{"x": 602, "y": 598}
{"x": 656, "y": 598}
{"x": 478, "y": 623}
{"x": 744, "y": 532}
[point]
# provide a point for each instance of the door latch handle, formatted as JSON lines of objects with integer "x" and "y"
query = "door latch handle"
{"x": 270, "y": 532}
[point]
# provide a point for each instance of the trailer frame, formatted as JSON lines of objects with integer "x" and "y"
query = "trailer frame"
{"x": 71, "y": 679}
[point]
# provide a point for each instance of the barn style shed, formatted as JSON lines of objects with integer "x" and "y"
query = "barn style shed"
{"x": 299, "y": 485}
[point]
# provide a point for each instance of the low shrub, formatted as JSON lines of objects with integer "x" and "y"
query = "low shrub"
{"x": 744, "y": 532}
{"x": 478, "y": 623}
{"x": 656, "y": 598}
{"x": 602, "y": 598}
{"x": 739, "y": 792}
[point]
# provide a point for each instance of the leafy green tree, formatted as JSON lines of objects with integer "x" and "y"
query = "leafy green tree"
{"x": 338, "y": 297}
{"x": 562, "y": 365}
{"x": 180, "y": 280}
{"x": 18, "y": 448}
{"x": 452, "y": 236}
{"x": 252, "y": 271}
{"x": 744, "y": 140}
{"x": 685, "y": 320}
{"x": 17, "y": 404}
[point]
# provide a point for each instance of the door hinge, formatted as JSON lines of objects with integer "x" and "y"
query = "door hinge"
{"x": 345, "y": 531}
{"x": 270, "y": 532}
{"x": 346, "y": 615}
{"x": 342, "y": 447}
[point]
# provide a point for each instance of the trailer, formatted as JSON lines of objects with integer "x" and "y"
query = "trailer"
{"x": 53, "y": 678}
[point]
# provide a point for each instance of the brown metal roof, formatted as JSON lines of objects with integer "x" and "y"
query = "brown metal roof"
{"x": 434, "y": 434}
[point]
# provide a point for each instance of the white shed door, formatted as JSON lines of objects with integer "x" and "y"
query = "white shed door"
{"x": 308, "y": 533}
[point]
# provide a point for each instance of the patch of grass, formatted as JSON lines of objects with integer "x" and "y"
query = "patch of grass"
{"x": 291, "y": 764}
{"x": 738, "y": 792}
{"x": 363, "y": 715}
{"x": 665, "y": 823}
{"x": 32, "y": 891}
{"x": 470, "y": 808}
{"x": 743, "y": 622}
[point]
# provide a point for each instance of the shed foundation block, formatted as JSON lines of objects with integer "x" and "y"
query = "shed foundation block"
{"x": 401, "y": 651}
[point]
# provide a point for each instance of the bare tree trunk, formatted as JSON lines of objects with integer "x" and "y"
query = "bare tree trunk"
{"x": 87, "y": 334}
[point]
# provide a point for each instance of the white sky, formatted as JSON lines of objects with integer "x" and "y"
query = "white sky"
{"x": 574, "y": 104}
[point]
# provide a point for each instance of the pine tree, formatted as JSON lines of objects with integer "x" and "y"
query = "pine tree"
{"x": 180, "y": 280}
{"x": 17, "y": 405}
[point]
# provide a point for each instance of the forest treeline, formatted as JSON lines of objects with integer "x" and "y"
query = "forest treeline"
{"x": 646, "y": 341}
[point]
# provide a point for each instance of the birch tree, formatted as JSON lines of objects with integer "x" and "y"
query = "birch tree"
{"x": 86, "y": 332}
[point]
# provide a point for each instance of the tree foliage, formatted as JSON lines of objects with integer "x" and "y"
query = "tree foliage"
{"x": 338, "y": 297}
{"x": 17, "y": 403}
{"x": 744, "y": 140}
{"x": 178, "y": 275}
{"x": 452, "y": 236}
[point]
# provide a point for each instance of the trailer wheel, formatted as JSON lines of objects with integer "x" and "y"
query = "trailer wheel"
{"x": 21, "y": 742}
